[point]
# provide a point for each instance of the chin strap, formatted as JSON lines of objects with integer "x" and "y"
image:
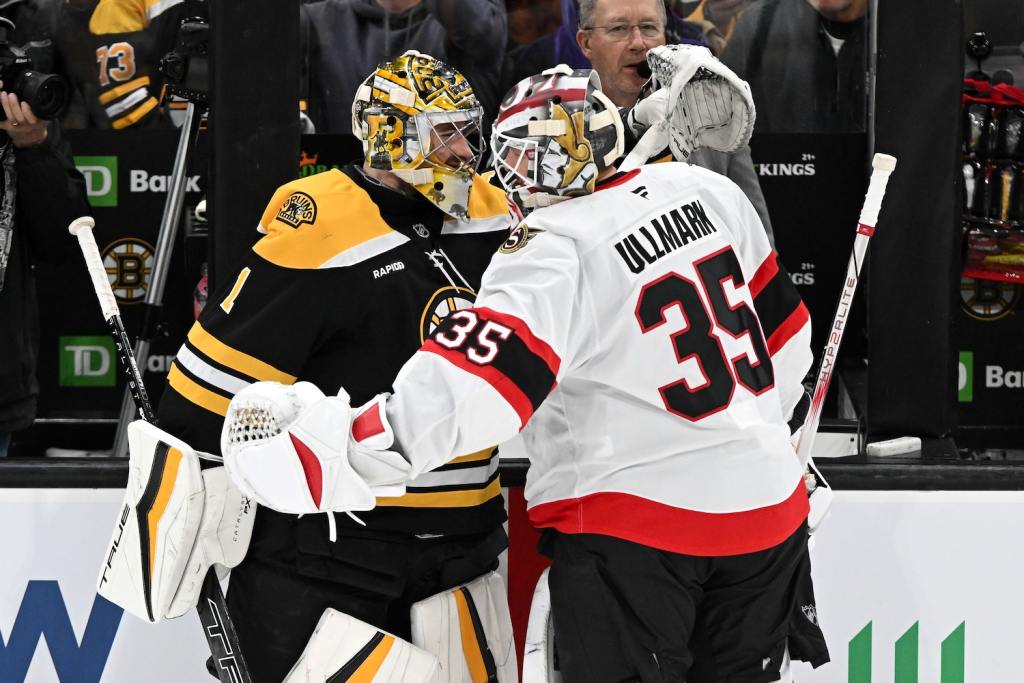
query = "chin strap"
{"x": 539, "y": 200}
{"x": 414, "y": 176}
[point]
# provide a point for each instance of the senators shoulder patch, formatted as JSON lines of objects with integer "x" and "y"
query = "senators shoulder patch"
{"x": 518, "y": 238}
{"x": 299, "y": 208}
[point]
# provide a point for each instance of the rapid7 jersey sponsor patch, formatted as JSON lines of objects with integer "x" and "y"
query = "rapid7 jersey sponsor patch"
{"x": 501, "y": 350}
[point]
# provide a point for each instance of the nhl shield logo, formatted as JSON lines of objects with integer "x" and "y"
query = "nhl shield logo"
{"x": 811, "y": 612}
{"x": 518, "y": 238}
{"x": 299, "y": 208}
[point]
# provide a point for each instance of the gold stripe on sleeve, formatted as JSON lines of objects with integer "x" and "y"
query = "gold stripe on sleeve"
{"x": 133, "y": 117}
{"x": 201, "y": 396}
{"x": 114, "y": 93}
{"x": 444, "y": 499}
{"x": 217, "y": 350}
{"x": 485, "y": 454}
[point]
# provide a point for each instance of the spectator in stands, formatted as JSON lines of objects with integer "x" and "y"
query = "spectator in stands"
{"x": 346, "y": 39}
{"x": 39, "y": 181}
{"x": 560, "y": 47}
{"x": 111, "y": 49}
{"x": 806, "y": 63}
{"x": 616, "y": 58}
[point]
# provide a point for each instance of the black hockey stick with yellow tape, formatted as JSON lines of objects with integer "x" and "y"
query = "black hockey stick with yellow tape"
{"x": 221, "y": 636}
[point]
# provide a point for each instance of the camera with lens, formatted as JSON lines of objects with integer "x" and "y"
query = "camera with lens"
{"x": 47, "y": 94}
{"x": 186, "y": 68}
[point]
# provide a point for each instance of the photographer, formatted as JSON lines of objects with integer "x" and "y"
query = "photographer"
{"x": 40, "y": 193}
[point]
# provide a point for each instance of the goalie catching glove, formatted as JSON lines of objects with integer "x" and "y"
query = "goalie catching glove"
{"x": 697, "y": 101}
{"x": 297, "y": 451}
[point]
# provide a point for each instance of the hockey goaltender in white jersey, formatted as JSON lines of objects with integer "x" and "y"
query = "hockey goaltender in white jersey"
{"x": 620, "y": 335}
{"x": 640, "y": 333}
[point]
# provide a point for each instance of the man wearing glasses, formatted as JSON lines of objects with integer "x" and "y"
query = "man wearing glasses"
{"x": 615, "y": 36}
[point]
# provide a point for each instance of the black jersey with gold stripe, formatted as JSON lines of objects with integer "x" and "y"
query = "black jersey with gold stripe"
{"x": 349, "y": 280}
{"x": 112, "y": 49}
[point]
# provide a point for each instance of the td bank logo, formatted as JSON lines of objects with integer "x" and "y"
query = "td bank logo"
{"x": 907, "y": 657}
{"x": 100, "y": 179}
{"x": 87, "y": 362}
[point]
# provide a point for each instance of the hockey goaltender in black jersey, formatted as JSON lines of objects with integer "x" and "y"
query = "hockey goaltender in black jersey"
{"x": 350, "y": 279}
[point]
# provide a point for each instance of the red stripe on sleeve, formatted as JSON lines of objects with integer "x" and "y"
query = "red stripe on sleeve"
{"x": 497, "y": 379}
{"x": 537, "y": 346}
{"x": 793, "y": 324}
{"x": 765, "y": 272}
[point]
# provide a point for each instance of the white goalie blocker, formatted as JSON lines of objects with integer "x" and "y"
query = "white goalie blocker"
{"x": 175, "y": 522}
{"x": 463, "y": 635}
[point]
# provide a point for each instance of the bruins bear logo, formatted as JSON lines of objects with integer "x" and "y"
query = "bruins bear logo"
{"x": 299, "y": 208}
{"x": 443, "y": 302}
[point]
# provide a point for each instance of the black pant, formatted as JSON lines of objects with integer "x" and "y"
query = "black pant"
{"x": 627, "y": 612}
{"x": 276, "y": 607}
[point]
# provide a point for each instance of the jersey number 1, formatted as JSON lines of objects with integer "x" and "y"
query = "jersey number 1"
{"x": 699, "y": 340}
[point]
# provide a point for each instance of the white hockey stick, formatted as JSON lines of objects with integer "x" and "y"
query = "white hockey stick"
{"x": 882, "y": 166}
{"x": 218, "y": 628}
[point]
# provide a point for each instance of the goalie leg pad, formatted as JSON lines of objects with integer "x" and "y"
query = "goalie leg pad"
{"x": 343, "y": 648}
{"x": 224, "y": 535}
{"x": 539, "y": 655}
{"x": 157, "y": 526}
{"x": 469, "y": 629}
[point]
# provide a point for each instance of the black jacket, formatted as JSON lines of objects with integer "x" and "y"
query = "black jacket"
{"x": 799, "y": 83}
{"x": 344, "y": 40}
{"x": 50, "y": 194}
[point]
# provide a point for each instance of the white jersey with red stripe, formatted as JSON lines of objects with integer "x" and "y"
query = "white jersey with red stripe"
{"x": 650, "y": 347}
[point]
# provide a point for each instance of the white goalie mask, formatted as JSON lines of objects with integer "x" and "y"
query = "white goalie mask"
{"x": 554, "y": 134}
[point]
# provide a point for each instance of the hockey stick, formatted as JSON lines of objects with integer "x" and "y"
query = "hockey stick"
{"x": 882, "y": 166}
{"x": 221, "y": 636}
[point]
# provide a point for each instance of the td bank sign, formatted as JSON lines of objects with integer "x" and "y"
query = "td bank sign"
{"x": 87, "y": 362}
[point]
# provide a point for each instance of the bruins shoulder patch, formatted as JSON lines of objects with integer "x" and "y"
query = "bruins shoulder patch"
{"x": 518, "y": 238}
{"x": 299, "y": 208}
